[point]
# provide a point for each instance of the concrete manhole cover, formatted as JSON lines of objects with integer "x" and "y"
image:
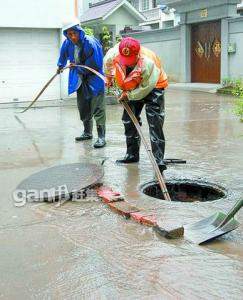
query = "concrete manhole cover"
{"x": 60, "y": 181}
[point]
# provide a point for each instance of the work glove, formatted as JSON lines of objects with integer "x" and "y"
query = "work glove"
{"x": 109, "y": 82}
{"x": 59, "y": 70}
{"x": 123, "y": 97}
{"x": 72, "y": 65}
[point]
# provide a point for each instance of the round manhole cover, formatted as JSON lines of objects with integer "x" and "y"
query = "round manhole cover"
{"x": 59, "y": 182}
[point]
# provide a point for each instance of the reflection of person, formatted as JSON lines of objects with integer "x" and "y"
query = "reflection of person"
{"x": 138, "y": 73}
{"x": 85, "y": 50}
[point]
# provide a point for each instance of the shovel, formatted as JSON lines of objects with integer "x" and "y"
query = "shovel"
{"x": 214, "y": 226}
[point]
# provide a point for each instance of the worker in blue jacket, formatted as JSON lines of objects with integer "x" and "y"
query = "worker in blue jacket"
{"x": 80, "y": 49}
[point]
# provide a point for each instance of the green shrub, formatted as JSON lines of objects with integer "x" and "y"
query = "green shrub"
{"x": 106, "y": 39}
{"x": 228, "y": 82}
{"x": 118, "y": 38}
{"x": 238, "y": 88}
{"x": 238, "y": 108}
{"x": 89, "y": 31}
{"x": 238, "y": 93}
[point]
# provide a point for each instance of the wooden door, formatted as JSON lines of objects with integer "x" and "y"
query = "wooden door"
{"x": 206, "y": 52}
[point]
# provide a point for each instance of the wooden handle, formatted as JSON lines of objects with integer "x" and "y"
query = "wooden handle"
{"x": 54, "y": 76}
{"x": 149, "y": 151}
{"x": 39, "y": 94}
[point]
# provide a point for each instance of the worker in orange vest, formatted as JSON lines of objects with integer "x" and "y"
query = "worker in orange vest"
{"x": 138, "y": 73}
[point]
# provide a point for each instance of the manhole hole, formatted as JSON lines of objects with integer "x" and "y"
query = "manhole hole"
{"x": 186, "y": 190}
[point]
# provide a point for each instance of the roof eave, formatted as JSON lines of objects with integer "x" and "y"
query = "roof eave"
{"x": 91, "y": 21}
{"x": 131, "y": 8}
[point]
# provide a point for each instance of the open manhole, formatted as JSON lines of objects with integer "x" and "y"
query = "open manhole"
{"x": 186, "y": 190}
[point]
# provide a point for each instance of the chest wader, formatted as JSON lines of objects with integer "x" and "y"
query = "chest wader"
{"x": 89, "y": 108}
{"x": 154, "y": 106}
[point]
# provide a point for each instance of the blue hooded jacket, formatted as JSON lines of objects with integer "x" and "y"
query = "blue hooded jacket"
{"x": 91, "y": 55}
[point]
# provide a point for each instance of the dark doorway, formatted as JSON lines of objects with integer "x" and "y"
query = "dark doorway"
{"x": 206, "y": 52}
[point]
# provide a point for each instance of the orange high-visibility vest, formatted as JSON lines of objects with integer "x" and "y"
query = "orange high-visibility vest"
{"x": 132, "y": 81}
{"x": 163, "y": 80}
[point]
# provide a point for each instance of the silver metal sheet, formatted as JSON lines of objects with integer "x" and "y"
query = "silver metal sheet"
{"x": 208, "y": 228}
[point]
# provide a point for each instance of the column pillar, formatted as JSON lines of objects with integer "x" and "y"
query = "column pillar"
{"x": 185, "y": 53}
{"x": 224, "y": 49}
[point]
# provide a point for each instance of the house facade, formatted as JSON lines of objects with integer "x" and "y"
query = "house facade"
{"x": 240, "y": 8}
{"x": 157, "y": 16}
{"x": 206, "y": 46}
{"x": 151, "y": 15}
{"x": 114, "y": 14}
{"x": 30, "y": 35}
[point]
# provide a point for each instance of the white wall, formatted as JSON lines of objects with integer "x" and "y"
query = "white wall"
{"x": 39, "y": 14}
{"x": 166, "y": 44}
{"x": 36, "y": 13}
{"x": 120, "y": 18}
{"x": 235, "y": 59}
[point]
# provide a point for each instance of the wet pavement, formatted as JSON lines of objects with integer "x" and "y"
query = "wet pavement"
{"x": 84, "y": 250}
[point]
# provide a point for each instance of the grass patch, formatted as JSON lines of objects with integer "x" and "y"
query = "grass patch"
{"x": 234, "y": 87}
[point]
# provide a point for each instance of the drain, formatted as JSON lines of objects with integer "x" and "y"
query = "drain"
{"x": 186, "y": 190}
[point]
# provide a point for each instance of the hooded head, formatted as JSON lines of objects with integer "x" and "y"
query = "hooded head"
{"x": 74, "y": 33}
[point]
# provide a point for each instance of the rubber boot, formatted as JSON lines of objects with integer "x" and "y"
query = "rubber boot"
{"x": 128, "y": 159}
{"x": 87, "y": 134}
{"x": 132, "y": 155}
{"x": 100, "y": 143}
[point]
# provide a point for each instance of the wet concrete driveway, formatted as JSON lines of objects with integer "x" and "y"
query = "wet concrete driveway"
{"x": 83, "y": 250}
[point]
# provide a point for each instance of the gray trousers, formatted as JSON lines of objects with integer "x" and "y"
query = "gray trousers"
{"x": 91, "y": 108}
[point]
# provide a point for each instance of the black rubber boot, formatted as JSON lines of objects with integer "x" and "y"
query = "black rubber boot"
{"x": 132, "y": 136}
{"x": 128, "y": 159}
{"x": 132, "y": 155}
{"x": 87, "y": 134}
{"x": 100, "y": 143}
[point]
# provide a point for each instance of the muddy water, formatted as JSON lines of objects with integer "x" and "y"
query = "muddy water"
{"x": 83, "y": 250}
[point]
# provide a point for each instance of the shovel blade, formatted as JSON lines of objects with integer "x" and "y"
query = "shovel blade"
{"x": 207, "y": 229}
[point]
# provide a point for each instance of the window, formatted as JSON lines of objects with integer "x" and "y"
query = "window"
{"x": 145, "y": 4}
{"x": 135, "y": 3}
{"x": 168, "y": 24}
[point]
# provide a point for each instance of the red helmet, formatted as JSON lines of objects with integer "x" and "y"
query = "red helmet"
{"x": 129, "y": 49}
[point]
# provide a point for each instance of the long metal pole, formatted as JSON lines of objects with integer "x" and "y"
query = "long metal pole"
{"x": 149, "y": 151}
